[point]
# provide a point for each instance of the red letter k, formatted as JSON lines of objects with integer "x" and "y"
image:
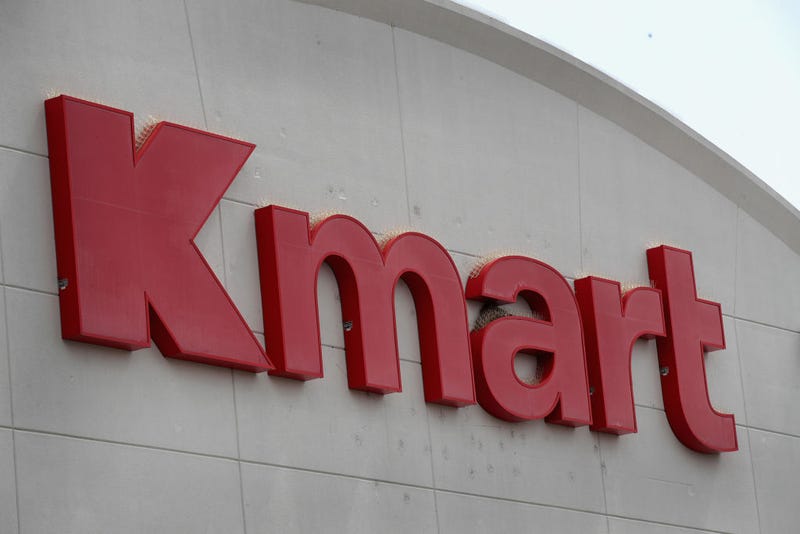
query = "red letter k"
{"x": 125, "y": 220}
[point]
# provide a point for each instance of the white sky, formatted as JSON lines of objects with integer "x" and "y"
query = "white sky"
{"x": 730, "y": 69}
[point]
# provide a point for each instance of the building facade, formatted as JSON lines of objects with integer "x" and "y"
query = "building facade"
{"x": 415, "y": 114}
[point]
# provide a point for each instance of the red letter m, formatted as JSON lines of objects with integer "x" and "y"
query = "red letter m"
{"x": 290, "y": 255}
{"x": 124, "y": 224}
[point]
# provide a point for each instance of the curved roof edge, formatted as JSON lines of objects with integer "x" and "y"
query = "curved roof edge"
{"x": 464, "y": 28}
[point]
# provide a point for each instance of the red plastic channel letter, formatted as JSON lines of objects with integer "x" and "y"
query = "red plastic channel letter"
{"x": 125, "y": 220}
{"x": 612, "y": 324}
{"x": 563, "y": 395}
{"x": 290, "y": 255}
{"x": 692, "y": 326}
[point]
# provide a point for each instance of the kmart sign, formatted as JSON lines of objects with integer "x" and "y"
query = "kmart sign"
{"x": 129, "y": 271}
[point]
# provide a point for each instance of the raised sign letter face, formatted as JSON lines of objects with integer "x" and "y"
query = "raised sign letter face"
{"x": 124, "y": 224}
{"x": 693, "y": 325}
{"x": 126, "y": 217}
{"x": 563, "y": 395}
{"x": 290, "y": 255}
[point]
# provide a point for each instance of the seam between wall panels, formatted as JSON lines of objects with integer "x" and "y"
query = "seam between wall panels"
{"x": 580, "y": 263}
{"x": 755, "y": 483}
{"x": 218, "y": 208}
{"x": 408, "y": 216}
{"x": 602, "y": 478}
{"x": 761, "y": 323}
{"x": 30, "y": 290}
{"x": 363, "y": 479}
{"x": 194, "y": 61}
{"x": 741, "y": 370}
{"x": 736, "y": 259}
{"x": 287, "y": 466}
{"x": 775, "y": 432}
{"x": 672, "y": 525}
{"x": 743, "y": 319}
{"x": 238, "y": 451}
{"x": 570, "y": 279}
{"x": 402, "y": 129}
{"x": 747, "y": 418}
{"x": 433, "y": 469}
{"x": 580, "y": 180}
{"x": 738, "y": 425}
{"x": 11, "y": 409}
{"x": 16, "y": 479}
{"x": 3, "y": 287}
{"x": 23, "y": 151}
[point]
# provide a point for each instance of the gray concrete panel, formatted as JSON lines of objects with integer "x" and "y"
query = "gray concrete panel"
{"x": 651, "y": 476}
{"x": 133, "y": 55}
{"x": 629, "y": 526}
{"x": 5, "y": 379}
{"x": 74, "y": 485}
{"x": 209, "y": 242}
{"x": 291, "y": 501}
{"x": 645, "y": 375}
{"x": 770, "y": 371}
{"x": 26, "y": 222}
{"x": 531, "y": 461}
{"x": 329, "y": 304}
{"x": 464, "y": 514}
{"x": 8, "y": 486}
{"x": 473, "y": 32}
{"x": 633, "y": 198}
{"x": 776, "y": 467}
{"x": 767, "y": 277}
{"x": 490, "y": 156}
{"x": 406, "y": 323}
{"x": 316, "y": 91}
{"x": 322, "y": 425}
{"x": 86, "y": 390}
{"x": 724, "y": 375}
{"x": 241, "y": 261}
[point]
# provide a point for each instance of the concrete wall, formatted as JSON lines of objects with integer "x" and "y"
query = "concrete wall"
{"x": 397, "y": 129}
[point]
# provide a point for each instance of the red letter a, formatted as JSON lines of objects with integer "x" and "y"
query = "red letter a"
{"x": 563, "y": 394}
{"x": 124, "y": 224}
